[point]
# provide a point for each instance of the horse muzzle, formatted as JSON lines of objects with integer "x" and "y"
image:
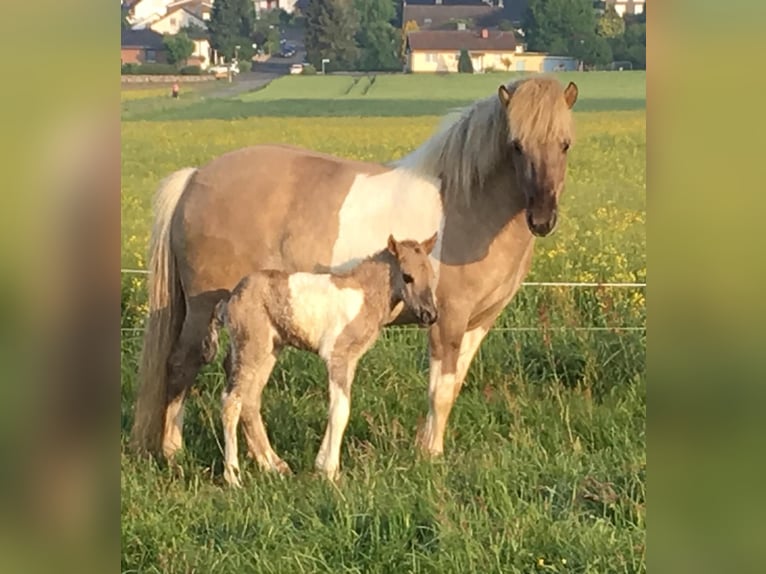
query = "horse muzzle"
{"x": 428, "y": 317}
{"x": 540, "y": 224}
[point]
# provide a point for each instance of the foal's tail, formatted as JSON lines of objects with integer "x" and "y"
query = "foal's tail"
{"x": 217, "y": 320}
{"x": 166, "y": 315}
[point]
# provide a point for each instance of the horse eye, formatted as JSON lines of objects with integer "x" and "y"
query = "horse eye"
{"x": 517, "y": 146}
{"x": 565, "y": 146}
{"x": 407, "y": 278}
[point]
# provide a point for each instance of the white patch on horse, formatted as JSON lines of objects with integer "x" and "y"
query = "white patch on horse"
{"x": 401, "y": 202}
{"x": 321, "y": 310}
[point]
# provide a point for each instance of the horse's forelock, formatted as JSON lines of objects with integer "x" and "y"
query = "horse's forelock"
{"x": 538, "y": 111}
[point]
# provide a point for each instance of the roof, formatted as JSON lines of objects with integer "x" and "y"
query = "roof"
{"x": 145, "y": 38}
{"x": 445, "y": 40}
{"x": 435, "y": 16}
{"x": 481, "y": 13}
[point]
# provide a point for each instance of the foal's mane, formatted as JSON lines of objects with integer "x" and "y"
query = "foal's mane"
{"x": 466, "y": 151}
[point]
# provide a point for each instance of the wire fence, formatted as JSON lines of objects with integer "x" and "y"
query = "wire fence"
{"x": 135, "y": 332}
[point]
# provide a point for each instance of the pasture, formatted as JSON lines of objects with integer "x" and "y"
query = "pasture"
{"x": 544, "y": 466}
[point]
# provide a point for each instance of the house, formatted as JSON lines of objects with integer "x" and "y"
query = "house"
{"x": 144, "y": 13}
{"x": 142, "y": 46}
{"x": 288, "y": 6}
{"x": 622, "y": 7}
{"x": 180, "y": 18}
{"x": 439, "y": 51}
{"x": 176, "y": 19}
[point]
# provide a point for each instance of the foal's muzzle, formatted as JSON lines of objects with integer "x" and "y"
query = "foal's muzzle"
{"x": 542, "y": 226}
{"x": 428, "y": 316}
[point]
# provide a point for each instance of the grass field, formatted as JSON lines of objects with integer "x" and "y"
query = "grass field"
{"x": 545, "y": 452}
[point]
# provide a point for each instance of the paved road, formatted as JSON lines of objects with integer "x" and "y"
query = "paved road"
{"x": 263, "y": 73}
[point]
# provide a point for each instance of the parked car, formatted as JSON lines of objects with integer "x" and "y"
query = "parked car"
{"x": 296, "y": 69}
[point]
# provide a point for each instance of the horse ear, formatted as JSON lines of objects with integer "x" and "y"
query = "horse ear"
{"x": 392, "y": 247}
{"x": 570, "y": 94}
{"x": 504, "y": 95}
{"x": 428, "y": 244}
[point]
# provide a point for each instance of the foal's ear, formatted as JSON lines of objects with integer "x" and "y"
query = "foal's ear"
{"x": 428, "y": 244}
{"x": 570, "y": 94}
{"x": 504, "y": 95}
{"x": 392, "y": 246}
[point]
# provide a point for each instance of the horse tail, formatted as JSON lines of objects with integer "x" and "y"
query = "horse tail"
{"x": 217, "y": 320}
{"x": 166, "y": 315}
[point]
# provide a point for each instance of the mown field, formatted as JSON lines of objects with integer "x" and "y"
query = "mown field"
{"x": 545, "y": 460}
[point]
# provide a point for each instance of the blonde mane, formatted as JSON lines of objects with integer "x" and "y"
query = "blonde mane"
{"x": 466, "y": 150}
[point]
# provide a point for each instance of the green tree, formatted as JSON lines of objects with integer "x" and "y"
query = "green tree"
{"x": 376, "y": 37}
{"x": 464, "y": 63}
{"x": 559, "y": 27}
{"x": 231, "y": 24}
{"x": 124, "y": 14}
{"x": 266, "y": 32}
{"x": 331, "y": 27}
{"x": 410, "y": 26}
{"x": 179, "y": 48}
{"x": 610, "y": 25}
{"x": 566, "y": 28}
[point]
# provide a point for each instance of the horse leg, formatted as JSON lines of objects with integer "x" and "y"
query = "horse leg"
{"x": 257, "y": 439}
{"x": 341, "y": 375}
{"x": 451, "y": 351}
{"x": 184, "y": 363}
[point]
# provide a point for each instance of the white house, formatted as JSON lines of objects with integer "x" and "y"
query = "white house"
{"x": 178, "y": 18}
{"x": 623, "y": 7}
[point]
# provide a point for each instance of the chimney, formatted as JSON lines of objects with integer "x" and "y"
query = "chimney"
{"x": 484, "y": 33}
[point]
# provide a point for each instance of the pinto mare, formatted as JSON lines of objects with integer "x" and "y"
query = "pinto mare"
{"x": 488, "y": 183}
{"x": 337, "y": 316}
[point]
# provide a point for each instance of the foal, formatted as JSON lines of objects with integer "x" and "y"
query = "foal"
{"x": 337, "y": 316}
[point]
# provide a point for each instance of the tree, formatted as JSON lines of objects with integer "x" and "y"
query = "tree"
{"x": 266, "y": 31}
{"x": 409, "y": 26}
{"x": 464, "y": 63}
{"x": 506, "y": 61}
{"x": 179, "y": 47}
{"x": 231, "y": 24}
{"x": 559, "y": 27}
{"x": 125, "y": 14}
{"x": 331, "y": 27}
{"x": 610, "y": 25}
{"x": 376, "y": 37}
{"x": 566, "y": 28}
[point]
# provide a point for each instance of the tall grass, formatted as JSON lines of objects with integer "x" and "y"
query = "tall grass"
{"x": 545, "y": 461}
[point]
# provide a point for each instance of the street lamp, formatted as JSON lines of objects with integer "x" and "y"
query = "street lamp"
{"x": 324, "y": 61}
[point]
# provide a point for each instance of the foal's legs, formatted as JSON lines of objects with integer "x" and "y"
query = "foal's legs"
{"x": 451, "y": 351}
{"x": 258, "y": 443}
{"x": 341, "y": 375}
{"x": 250, "y": 372}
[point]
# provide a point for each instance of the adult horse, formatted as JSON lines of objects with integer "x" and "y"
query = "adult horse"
{"x": 488, "y": 183}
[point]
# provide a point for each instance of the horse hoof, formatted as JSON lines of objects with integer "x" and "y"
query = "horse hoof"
{"x": 231, "y": 476}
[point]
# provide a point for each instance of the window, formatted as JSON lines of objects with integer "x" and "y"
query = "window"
{"x": 431, "y": 58}
{"x": 172, "y": 21}
{"x": 151, "y": 55}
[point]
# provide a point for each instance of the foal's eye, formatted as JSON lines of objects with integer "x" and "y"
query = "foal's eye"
{"x": 516, "y": 146}
{"x": 407, "y": 278}
{"x": 565, "y": 146}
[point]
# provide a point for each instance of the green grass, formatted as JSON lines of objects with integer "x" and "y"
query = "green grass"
{"x": 545, "y": 450}
{"x": 386, "y": 96}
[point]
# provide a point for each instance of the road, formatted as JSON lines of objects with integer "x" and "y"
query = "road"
{"x": 263, "y": 73}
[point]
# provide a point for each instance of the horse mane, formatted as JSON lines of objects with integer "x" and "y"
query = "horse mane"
{"x": 466, "y": 150}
